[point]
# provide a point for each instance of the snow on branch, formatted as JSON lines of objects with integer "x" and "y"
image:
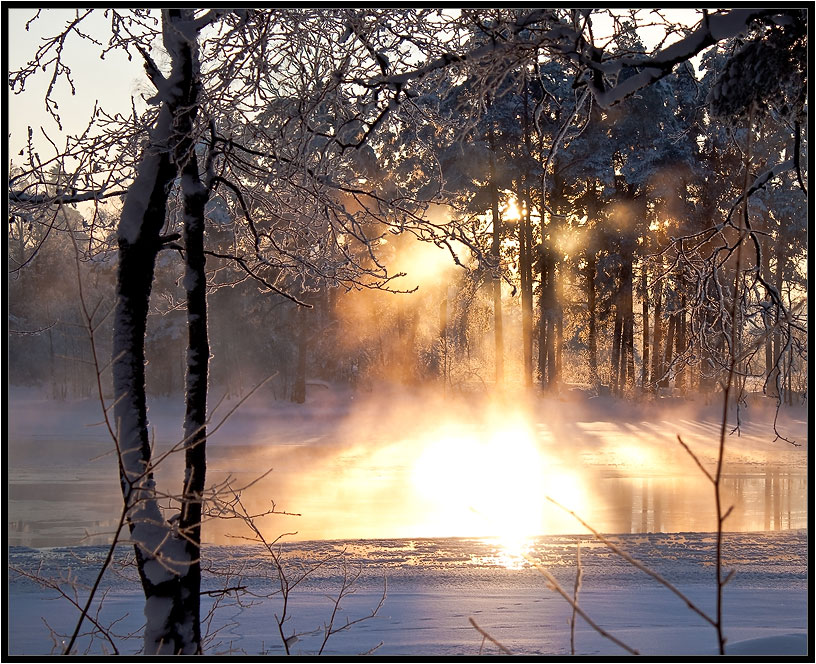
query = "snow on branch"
{"x": 711, "y": 30}
{"x": 760, "y": 181}
{"x": 62, "y": 198}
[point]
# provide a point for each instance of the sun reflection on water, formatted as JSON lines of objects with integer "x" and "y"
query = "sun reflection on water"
{"x": 515, "y": 552}
{"x": 493, "y": 483}
{"x": 509, "y": 553}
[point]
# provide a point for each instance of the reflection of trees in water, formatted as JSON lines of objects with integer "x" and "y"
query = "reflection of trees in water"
{"x": 779, "y": 489}
{"x": 774, "y": 500}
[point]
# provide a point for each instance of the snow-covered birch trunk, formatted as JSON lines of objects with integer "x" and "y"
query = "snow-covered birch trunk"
{"x": 198, "y": 354}
{"x": 167, "y": 556}
{"x": 159, "y": 555}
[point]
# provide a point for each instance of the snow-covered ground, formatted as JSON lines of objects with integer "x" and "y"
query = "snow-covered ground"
{"x": 459, "y": 488}
{"x": 434, "y": 586}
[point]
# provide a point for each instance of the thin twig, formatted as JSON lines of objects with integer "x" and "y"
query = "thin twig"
{"x": 615, "y": 549}
{"x": 487, "y": 636}
{"x": 557, "y": 588}
{"x": 579, "y": 573}
{"x": 123, "y": 514}
{"x": 696, "y": 459}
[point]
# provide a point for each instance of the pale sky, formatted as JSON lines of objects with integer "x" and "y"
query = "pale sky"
{"x": 111, "y": 81}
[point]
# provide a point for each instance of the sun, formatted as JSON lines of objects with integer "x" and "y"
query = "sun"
{"x": 511, "y": 211}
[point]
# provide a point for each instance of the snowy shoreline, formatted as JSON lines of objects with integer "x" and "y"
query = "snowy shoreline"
{"x": 435, "y": 585}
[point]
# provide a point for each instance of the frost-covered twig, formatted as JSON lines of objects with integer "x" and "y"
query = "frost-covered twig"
{"x": 735, "y": 340}
{"x": 287, "y": 583}
{"x": 488, "y": 637}
{"x": 73, "y": 598}
{"x": 346, "y": 588}
{"x": 91, "y": 328}
{"x": 579, "y": 573}
{"x": 554, "y": 585}
{"x": 696, "y": 460}
{"x": 636, "y": 563}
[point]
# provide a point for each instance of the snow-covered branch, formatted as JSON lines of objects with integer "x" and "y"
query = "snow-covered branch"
{"x": 712, "y": 29}
{"x": 760, "y": 181}
{"x": 18, "y": 196}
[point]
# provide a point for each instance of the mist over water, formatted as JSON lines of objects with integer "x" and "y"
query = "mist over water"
{"x": 393, "y": 463}
{"x": 402, "y": 434}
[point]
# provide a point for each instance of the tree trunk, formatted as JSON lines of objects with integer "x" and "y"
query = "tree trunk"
{"x": 591, "y": 268}
{"x": 526, "y": 298}
{"x": 198, "y": 355}
{"x": 552, "y": 373}
{"x": 559, "y": 326}
{"x": 775, "y": 381}
{"x": 543, "y": 338}
{"x": 498, "y": 332}
{"x": 545, "y": 275}
{"x": 526, "y": 231}
{"x": 169, "y": 574}
{"x": 765, "y": 271}
{"x": 195, "y": 195}
{"x": 299, "y": 386}
{"x": 708, "y": 337}
{"x": 629, "y": 346}
{"x": 644, "y": 374}
{"x": 627, "y": 311}
{"x": 167, "y": 630}
{"x": 680, "y": 333}
{"x": 667, "y": 358}
{"x": 616, "y": 352}
{"x": 551, "y": 310}
{"x": 657, "y": 337}
{"x": 443, "y": 339}
{"x": 495, "y": 254}
{"x": 548, "y": 324}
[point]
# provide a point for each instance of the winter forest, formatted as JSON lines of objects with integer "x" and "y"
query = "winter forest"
{"x": 493, "y": 317}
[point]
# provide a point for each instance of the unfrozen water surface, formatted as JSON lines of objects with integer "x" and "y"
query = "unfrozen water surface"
{"x": 446, "y": 502}
{"x": 394, "y": 466}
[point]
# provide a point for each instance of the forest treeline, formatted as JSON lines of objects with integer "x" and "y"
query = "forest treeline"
{"x": 591, "y": 242}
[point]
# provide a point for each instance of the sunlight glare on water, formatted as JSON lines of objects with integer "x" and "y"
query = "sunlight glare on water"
{"x": 435, "y": 471}
{"x": 492, "y": 483}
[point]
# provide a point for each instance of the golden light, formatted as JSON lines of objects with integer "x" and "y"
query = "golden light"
{"x": 633, "y": 455}
{"x": 424, "y": 263}
{"x": 491, "y": 483}
{"x": 511, "y": 211}
{"x": 570, "y": 241}
{"x": 656, "y": 224}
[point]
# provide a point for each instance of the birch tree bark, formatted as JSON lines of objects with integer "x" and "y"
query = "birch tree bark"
{"x": 167, "y": 553}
